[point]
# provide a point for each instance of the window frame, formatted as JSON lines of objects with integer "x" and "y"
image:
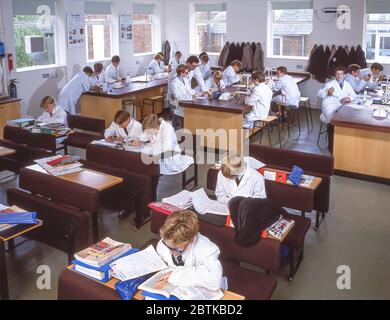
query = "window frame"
{"x": 152, "y": 22}
{"x": 378, "y": 58}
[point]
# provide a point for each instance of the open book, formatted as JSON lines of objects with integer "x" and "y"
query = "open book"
{"x": 182, "y": 200}
{"x": 59, "y": 169}
{"x": 153, "y": 287}
{"x": 203, "y": 204}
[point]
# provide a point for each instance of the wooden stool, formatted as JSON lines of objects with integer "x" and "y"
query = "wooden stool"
{"x": 134, "y": 104}
{"x": 305, "y": 104}
{"x": 292, "y": 112}
{"x": 268, "y": 124}
{"x": 152, "y": 102}
{"x": 323, "y": 132}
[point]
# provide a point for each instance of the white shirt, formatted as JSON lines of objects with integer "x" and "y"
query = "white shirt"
{"x": 251, "y": 186}
{"x": 357, "y": 84}
{"x": 180, "y": 90}
{"x": 211, "y": 84}
{"x": 371, "y": 84}
{"x": 330, "y": 105}
{"x": 202, "y": 267}
{"x": 175, "y": 63}
{"x": 205, "y": 69}
{"x": 290, "y": 94}
{"x": 72, "y": 91}
{"x": 154, "y": 67}
{"x": 134, "y": 130}
{"x": 197, "y": 75}
{"x": 230, "y": 76}
{"x": 98, "y": 79}
{"x": 57, "y": 116}
{"x": 260, "y": 100}
{"x": 112, "y": 73}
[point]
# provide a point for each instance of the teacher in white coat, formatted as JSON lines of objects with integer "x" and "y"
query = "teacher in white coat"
{"x": 335, "y": 94}
{"x": 72, "y": 91}
{"x": 260, "y": 100}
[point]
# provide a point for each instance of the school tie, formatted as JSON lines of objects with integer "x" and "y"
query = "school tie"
{"x": 126, "y": 131}
{"x": 341, "y": 83}
{"x": 178, "y": 261}
{"x": 51, "y": 114}
{"x": 238, "y": 181}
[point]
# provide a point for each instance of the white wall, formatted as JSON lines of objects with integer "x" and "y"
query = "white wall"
{"x": 33, "y": 87}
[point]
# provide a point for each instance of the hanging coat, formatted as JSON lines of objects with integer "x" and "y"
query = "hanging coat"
{"x": 247, "y": 59}
{"x": 339, "y": 58}
{"x": 134, "y": 130}
{"x": 166, "y": 50}
{"x": 232, "y": 55}
{"x": 224, "y": 55}
{"x": 361, "y": 57}
{"x": 352, "y": 56}
{"x": 260, "y": 100}
{"x": 258, "y": 58}
{"x": 72, "y": 91}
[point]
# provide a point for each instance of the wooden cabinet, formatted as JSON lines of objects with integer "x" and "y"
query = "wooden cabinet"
{"x": 9, "y": 110}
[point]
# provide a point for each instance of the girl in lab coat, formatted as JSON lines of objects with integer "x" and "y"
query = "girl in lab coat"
{"x": 162, "y": 63}
{"x": 154, "y": 65}
{"x": 335, "y": 94}
{"x": 231, "y": 74}
{"x": 260, "y": 100}
{"x": 123, "y": 128}
{"x": 237, "y": 179}
{"x": 161, "y": 138}
{"x": 72, "y": 91}
{"x": 288, "y": 88}
{"x": 215, "y": 83}
{"x": 176, "y": 61}
{"x": 204, "y": 66}
{"x": 112, "y": 71}
{"x": 52, "y": 113}
{"x": 193, "y": 260}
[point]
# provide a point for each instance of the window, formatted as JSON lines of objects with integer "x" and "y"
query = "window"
{"x": 143, "y": 28}
{"x": 34, "y": 26}
{"x": 98, "y": 30}
{"x": 210, "y": 28}
{"x": 292, "y": 27}
{"x": 378, "y": 31}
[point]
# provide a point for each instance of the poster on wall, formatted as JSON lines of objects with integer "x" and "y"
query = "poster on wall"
{"x": 126, "y": 28}
{"x": 75, "y": 30}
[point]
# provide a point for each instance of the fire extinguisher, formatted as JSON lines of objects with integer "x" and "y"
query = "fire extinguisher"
{"x": 12, "y": 88}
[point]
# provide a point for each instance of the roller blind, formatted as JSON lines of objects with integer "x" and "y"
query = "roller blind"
{"x": 95, "y": 7}
{"x": 143, "y": 8}
{"x": 209, "y": 7}
{"x": 291, "y": 5}
{"x": 378, "y": 6}
{"x": 29, "y": 7}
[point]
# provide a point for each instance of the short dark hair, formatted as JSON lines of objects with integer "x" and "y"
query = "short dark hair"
{"x": 88, "y": 70}
{"x": 181, "y": 68}
{"x": 236, "y": 63}
{"x": 258, "y": 75}
{"x": 204, "y": 56}
{"x": 377, "y": 66}
{"x": 121, "y": 117}
{"x": 340, "y": 68}
{"x": 193, "y": 59}
{"x": 178, "y": 52}
{"x": 282, "y": 69}
{"x": 98, "y": 67}
{"x": 115, "y": 59}
{"x": 353, "y": 68}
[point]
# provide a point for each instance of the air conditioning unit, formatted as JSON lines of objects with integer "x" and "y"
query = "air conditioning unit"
{"x": 339, "y": 10}
{"x": 34, "y": 44}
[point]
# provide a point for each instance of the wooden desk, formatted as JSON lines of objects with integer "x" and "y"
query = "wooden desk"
{"x": 9, "y": 110}
{"x": 6, "y": 151}
{"x": 361, "y": 145}
{"x": 89, "y": 178}
{"x": 138, "y": 296}
{"x": 104, "y": 105}
{"x": 5, "y": 236}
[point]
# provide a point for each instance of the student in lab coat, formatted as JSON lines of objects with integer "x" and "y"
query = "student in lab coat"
{"x": 176, "y": 61}
{"x": 335, "y": 94}
{"x": 215, "y": 83}
{"x": 98, "y": 77}
{"x": 193, "y": 260}
{"x": 370, "y": 74}
{"x": 72, "y": 91}
{"x": 123, "y": 128}
{"x": 154, "y": 65}
{"x": 353, "y": 77}
{"x": 180, "y": 90}
{"x": 204, "y": 66}
{"x": 237, "y": 179}
{"x": 112, "y": 71}
{"x": 288, "y": 88}
{"x": 52, "y": 112}
{"x": 231, "y": 73}
{"x": 260, "y": 100}
{"x": 162, "y": 63}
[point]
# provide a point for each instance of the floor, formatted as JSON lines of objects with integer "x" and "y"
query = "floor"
{"x": 355, "y": 233}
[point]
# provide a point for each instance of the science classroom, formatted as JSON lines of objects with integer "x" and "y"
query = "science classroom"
{"x": 194, "y": 150}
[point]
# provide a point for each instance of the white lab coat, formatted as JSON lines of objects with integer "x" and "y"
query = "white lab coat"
{"x": 180, "y": 90}
{"x": 112, "y": 73}
{"x": 330, "y": 105}
{"x": 197, "y": 75}
{"x": 72, "y": 91}
{"x": 205, "y": 69}
{"x": 98, "y": 79}
{"x": 202, "y": 267}
{"x": 154, "y": 67}
{"x": 357, "y": 84}
{"x": 230, "y": 76}
{"x": 290, "y": 94}
{"x": 251, "y": 186}
{"x": 211, "y": 85}
{"x": 162, "y": 66}
{"x": 175, "y": 63}
{"x": 260, "y": 100}
{"x": 166, "y": 141}
{"x": 58, "y": 116}
{"x": 134, "y": 130}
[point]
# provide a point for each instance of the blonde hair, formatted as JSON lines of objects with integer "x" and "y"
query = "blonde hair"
{"x": 217, "y": 75}
{"x": 47, "y": 100}
{"x": 158, "y": 56}
{"x": 151, "y": 122}
{"x": 232, "y": 165}
{"x": 181, "y": 68}
{"x": 180, "y": 227}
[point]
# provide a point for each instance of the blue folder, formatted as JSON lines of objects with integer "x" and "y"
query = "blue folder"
{"x": 158, "y": 296}
{"x": 19, "y": 218}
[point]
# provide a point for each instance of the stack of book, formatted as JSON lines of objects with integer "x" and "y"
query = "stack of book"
{"x": 50, "y": 128}
{"x": 21, "y": 123}
{"x": 94, "y": 262}
{"x": 279, "y": 230}
{"x": 11, "y": 216}
{"x": 60, "y": 165}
